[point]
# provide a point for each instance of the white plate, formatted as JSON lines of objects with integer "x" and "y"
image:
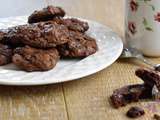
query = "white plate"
{"x": 110, "y": 48}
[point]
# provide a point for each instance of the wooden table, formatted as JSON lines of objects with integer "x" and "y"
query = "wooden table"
{"x": 84, "y": 99}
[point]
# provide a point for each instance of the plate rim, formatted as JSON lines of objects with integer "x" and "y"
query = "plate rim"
{"x": 44, "y": 82}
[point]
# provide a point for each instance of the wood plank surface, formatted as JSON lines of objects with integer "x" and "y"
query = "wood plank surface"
{"x": 32, "y": 103}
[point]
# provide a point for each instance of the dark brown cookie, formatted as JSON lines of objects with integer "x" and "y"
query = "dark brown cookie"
{"x": 6, "y": 53}
{"x": 39, "y": 35}
{"x": 9, "y": 39}
{"x": 73, "y": 24}
{"x": 79, "y": 45}
{"x": 150, "y": 77}
{"x": 135, "y": 112}
{"x": 46, "y": 14}
{"x": 32, "y": 59}
{"x": 132, "y": 93}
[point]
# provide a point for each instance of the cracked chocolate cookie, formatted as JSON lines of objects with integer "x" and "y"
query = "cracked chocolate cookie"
{"x": 150, "y": 77}
{"x": 79, "y": 45}
{"x": 32, "y": 59}
{"x": 9, "y": 39}
{"x": 73, "y": 24}
{"x": 132, "y": 93}
{"x": 39, "y": 35}
{"x": 46, "y": 14}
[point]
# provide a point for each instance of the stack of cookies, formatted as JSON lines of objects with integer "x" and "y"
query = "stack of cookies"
{"x": 48, "y": 36}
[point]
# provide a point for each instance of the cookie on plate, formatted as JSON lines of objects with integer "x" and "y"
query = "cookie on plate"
{"x": 79, "y": 45}
{"x": 39, "y": 35}
{"x": 46, "y": 14}
{"x": 32, "y": 59}
{"x": 73, "y": 24}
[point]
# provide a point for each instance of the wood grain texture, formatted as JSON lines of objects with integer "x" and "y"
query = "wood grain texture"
{"x": 32, "y": 103}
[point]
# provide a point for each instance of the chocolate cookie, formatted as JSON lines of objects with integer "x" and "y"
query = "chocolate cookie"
{"x": 79, "y": 45}
{"x": 46, "y": 14}
{"x": 6, "y": 53}
{"x": 73, "y": 24}
{"x": 32, "y": 59}
{"x": 132, "y": 93}
{"x": 9, "y": 39}
{"x": 150, "y": 77}
{"x": 39, "y": 35}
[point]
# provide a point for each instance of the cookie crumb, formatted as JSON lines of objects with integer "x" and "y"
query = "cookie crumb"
{"x": 135, "y": 112}
{"x": 156, "y": 117}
